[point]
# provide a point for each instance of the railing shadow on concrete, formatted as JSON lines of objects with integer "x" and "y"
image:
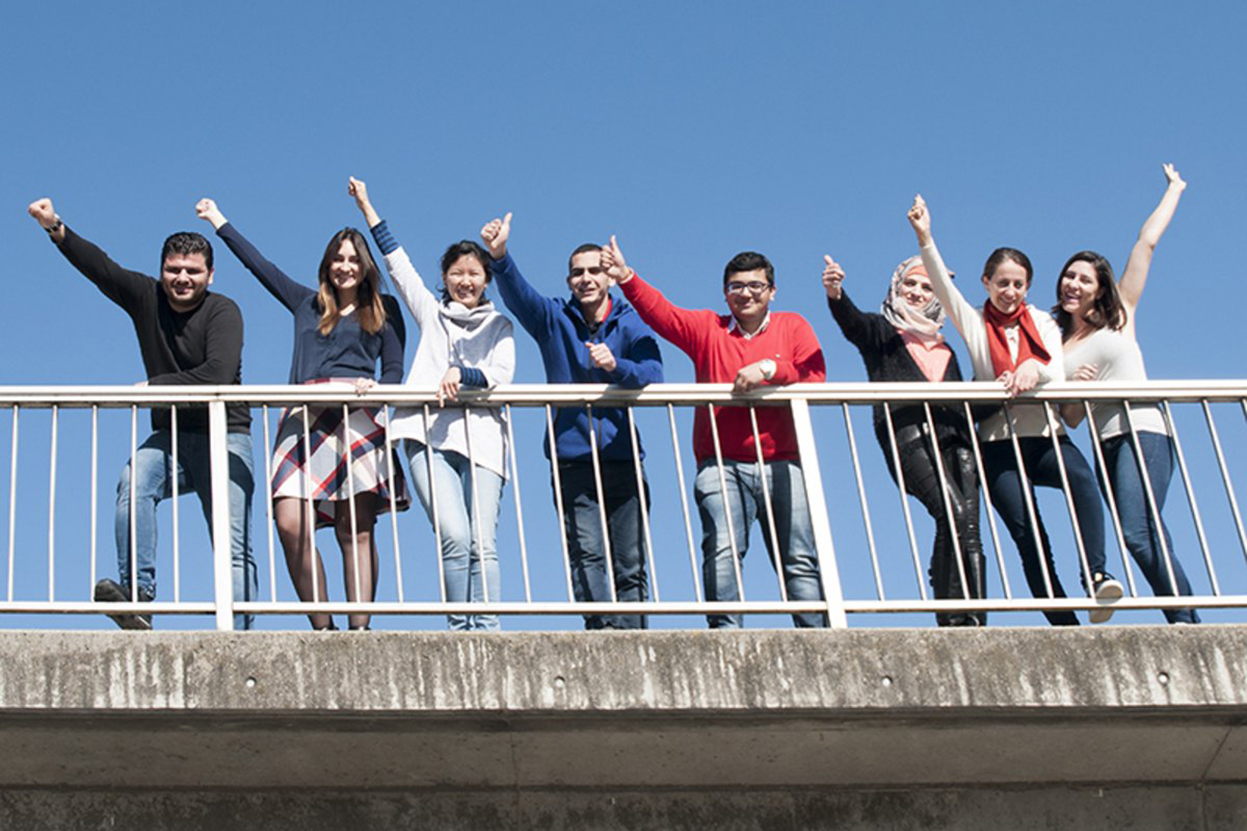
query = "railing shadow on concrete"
{"x": 870, "y": 537}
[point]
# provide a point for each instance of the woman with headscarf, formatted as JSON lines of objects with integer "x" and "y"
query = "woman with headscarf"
{"x": 903, "y": 343}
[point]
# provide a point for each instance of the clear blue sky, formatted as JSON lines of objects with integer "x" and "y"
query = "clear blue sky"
{"x": 692, "y": 131}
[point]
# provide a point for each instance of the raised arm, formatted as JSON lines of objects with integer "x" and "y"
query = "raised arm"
{"x": 677, "y": 325}
{"x": 289, "y": 293}
{"x": 1135, "y": 276}
{"x": 866, "y": 331}
{"x": 533, "y": 309}
{"x": 359, "y": 190}
{"x": 407, "y": 280}
{"x": 967, "y": 319}
{"x": 126, "y": 288}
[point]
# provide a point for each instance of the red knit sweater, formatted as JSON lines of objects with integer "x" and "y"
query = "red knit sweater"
{"x": 718, "y": 351}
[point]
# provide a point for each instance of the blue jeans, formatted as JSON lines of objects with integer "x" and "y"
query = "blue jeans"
{"x": 582, "y": 523}
{"x": 459, "y": 525}
{"x": 745, "y": 502}
{"x": 1005, "y": 484}
{"x": 1137, "y": 526}
{"x": 153, "y": 482}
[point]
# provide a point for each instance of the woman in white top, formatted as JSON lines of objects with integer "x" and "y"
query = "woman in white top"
{"x": 464, "y": 342}
{"x": 1097, "y": 318}
{"x": 1020, "y": 346}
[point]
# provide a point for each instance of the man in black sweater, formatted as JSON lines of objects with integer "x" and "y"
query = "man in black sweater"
{"x": 187, "y": 335}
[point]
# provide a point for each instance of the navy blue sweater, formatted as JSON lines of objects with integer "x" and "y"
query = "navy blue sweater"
{"x": 347, "y": 351}
{"x": 561, "y": 332}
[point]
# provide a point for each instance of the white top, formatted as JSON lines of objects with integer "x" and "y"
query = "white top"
{"x": 1028, "y": 419}
{"x": 1117, "y": 357}
{"x": 451, "y": 333}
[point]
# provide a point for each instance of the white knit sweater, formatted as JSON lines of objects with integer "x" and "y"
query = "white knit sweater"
{"x": 451, "y": 333}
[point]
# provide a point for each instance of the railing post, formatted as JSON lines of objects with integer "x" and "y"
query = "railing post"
{"x": 222, "y": 553}
{"x": 828, "y": 569}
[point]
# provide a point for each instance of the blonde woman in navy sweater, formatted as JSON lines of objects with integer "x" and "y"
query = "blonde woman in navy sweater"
{"x": 903, "y": 343}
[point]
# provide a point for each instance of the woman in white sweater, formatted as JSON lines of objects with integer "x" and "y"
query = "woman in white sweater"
{"x": 1019, "y": 346}
{"x": 1097, "y": 318}
{"x": 464, "y": 342}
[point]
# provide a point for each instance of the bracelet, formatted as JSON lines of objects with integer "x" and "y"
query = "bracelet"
{"x": 56, "y": 226}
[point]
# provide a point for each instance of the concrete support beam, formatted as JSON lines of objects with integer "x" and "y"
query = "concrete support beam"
{"x": 616, "y": 730}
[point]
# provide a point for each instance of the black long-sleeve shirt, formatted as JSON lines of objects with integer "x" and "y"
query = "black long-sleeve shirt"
{"x": 202, "y": 346}
{"x": 347, "y": 351}
{"x": 887, "y": 358}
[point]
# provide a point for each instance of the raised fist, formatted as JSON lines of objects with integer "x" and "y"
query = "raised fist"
{"x": 920, "y": 219}
{"x": 42, "y": 211}
{"x": 207, "y": 210}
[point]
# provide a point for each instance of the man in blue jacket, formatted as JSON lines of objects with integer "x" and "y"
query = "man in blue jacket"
{"x": 591, "y": 338}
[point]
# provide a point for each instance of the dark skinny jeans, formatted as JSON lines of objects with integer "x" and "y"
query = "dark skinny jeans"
{"x": 1040, "y": 461}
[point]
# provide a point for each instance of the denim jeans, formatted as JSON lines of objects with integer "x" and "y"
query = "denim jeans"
{"x": 1137, "y": 526}
{"x": 745, "y": 502}
{"x": 153, "y": 482}
{"x": 582, "y": 523}
{"x": 1005, "y": 483}
{"x": 460, "y": 524}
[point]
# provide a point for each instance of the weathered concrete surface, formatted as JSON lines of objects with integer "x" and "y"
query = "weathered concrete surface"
{"x": 1153, "y": 808}
{"x": 1140, "y": 727}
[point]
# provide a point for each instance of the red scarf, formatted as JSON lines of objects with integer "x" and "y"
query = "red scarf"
{"x": 1030, "y": 345}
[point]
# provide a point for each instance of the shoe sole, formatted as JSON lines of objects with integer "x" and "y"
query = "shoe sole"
{"x": 112, "y": 594}
{"x": 1106, "y": 594}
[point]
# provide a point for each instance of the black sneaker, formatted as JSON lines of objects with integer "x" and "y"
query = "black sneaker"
{"x": 109, "y": 591}
{"x": 1105, "y": 588}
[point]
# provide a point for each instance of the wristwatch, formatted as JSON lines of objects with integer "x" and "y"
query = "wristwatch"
{"x": 768, "y": 368}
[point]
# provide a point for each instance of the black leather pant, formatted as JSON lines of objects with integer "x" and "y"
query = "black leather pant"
{"x": 922, "y": 480}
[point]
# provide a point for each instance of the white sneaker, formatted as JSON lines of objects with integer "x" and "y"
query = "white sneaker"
{"x": 1105, "y": 589}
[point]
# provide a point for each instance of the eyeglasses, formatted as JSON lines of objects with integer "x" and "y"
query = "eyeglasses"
{"x": 753, "y": 287}
{"x": 580, "y": 272}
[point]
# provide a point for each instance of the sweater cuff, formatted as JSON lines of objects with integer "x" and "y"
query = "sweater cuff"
{"x": 384, "y": 239}
{"x": 470, "y": 376}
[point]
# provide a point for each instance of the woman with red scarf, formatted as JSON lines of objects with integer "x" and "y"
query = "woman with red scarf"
{"x": 1020, "y": 346}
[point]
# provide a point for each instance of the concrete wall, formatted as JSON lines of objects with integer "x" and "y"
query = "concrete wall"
{"x": 1132, "y": 727}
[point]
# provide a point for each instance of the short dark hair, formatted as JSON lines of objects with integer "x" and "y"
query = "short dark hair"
{"x": 749, "y": 261}
{"x": 583, "y": 248}
{"x": 1001, "y": 255}
{"x": 1107, "y": 310}
{"x": 186, "y": 243}
{"x": 465, "y": 248}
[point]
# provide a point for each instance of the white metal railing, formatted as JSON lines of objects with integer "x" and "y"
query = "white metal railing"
{"x": 870, "y": 547}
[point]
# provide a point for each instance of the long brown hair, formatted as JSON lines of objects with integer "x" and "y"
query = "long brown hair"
{"x": 1107, "y": 311}
{"x": 369, "y": 310}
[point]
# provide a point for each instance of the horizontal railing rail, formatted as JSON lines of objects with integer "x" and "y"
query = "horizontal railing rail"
{"x": 871, "y": 540}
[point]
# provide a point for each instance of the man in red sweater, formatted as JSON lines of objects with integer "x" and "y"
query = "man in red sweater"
{"x": 749, "y": 348}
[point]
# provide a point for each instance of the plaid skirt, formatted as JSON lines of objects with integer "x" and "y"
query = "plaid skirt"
{"x": 326, "y": 475}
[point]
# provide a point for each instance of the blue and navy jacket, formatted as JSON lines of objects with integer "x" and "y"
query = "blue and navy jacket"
{"x": 561, "y": 332}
